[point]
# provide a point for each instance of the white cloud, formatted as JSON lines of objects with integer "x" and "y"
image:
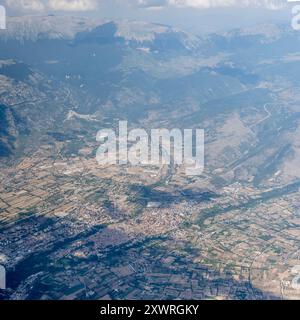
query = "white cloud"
{"x": 55, "y": 5}
{"x": 87, "y": 5}
{"x": 30, "y": 5}
{"x": 152, "y": 3}
{"x": 203, "y": 4}
{"x": 72, "y": 5}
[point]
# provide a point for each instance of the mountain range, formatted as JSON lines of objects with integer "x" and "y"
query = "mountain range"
{"x": 62, "y": 79}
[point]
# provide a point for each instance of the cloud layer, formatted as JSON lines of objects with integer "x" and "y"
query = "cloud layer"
{"x": 87, "y": 5}
{"x": 55, "y": 5}
{"x": 204, "y": 4}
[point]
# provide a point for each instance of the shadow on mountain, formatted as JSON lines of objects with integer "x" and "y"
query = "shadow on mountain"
{"x": 142, "y": 195}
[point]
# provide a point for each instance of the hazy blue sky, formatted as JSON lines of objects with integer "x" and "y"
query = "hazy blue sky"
{"x": 193, "y": 15}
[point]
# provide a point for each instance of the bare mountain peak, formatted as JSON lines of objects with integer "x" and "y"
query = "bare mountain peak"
{"x": 60, "y": 27}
